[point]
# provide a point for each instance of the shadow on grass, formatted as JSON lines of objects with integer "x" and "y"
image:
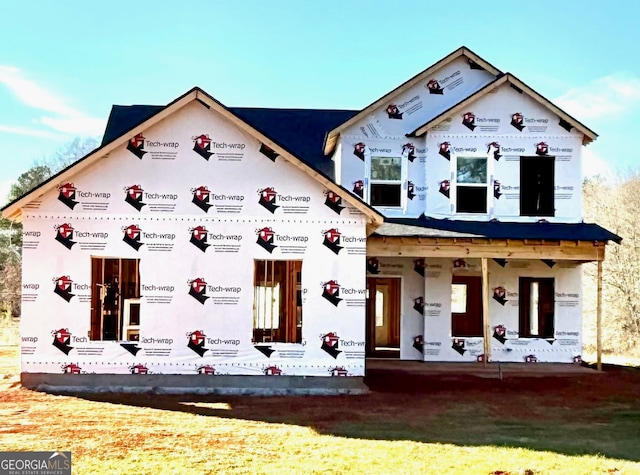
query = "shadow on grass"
{"x": 580, "y": 415}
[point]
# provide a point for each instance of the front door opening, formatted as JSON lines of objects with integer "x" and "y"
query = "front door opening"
{"x": 466, "y": 306}
{"x": 383, "y": 317}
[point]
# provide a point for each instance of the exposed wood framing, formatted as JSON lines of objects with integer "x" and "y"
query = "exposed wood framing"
{"x": 485, "y": 309}
{"x": 487, "y": 248}
{"x": 599, "y": 319}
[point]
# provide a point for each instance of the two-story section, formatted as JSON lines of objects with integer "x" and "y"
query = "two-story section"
{"x": 479, "y": 178}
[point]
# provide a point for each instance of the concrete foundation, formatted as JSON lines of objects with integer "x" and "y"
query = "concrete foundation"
{"x": 193, "y": 384}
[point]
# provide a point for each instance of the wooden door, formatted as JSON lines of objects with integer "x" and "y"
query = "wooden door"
{"x": 466, "y": 306}
{"x": 383, "y": 316}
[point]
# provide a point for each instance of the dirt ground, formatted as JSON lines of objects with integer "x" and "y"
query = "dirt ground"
{"x": 471, "y": 411}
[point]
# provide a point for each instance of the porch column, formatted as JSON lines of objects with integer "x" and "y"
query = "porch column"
{"x": 485, "y": 309}
{"x": 599, "y": 319}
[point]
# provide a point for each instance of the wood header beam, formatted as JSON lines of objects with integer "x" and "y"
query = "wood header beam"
{"x": 485, "y": 248}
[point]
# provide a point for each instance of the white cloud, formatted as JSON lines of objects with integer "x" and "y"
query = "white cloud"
{"x": 76, "y": 125}
{"x": 18, "y": 130}
{"x": 67, "y": 120}
{"x": 607, "y": 96}
{"x": 32, "y": 94}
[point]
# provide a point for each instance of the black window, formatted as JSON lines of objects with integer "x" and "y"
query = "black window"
{"x": 536, "y": 307}
{"x": 537, "y": 186}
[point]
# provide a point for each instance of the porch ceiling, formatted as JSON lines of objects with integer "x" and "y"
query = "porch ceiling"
{"x": 478, "y": 247}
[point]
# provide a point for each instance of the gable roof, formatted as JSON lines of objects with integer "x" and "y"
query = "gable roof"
{"x": 301, "y": 131}
{"x": 121, "y": 134}
{"x": 568, "y": 121}
{"x": 463, "y": 51}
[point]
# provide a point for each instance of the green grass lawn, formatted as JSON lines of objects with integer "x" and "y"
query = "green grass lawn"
{"x": 430, "y": 425}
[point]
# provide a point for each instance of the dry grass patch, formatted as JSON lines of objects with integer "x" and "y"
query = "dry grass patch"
{"x": 452, "y": 426}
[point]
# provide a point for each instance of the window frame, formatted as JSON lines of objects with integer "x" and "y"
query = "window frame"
{"x": 401, "y": 182}
{"x": 546, "y": 320}
{"x": 288, "y": 328}
{"x": 455, "y": 185}
{"x": 121, "y": 300}
{"x": 546, "y": 158}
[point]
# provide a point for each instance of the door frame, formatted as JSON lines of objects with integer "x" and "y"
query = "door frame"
{"x": 396, "y": 316}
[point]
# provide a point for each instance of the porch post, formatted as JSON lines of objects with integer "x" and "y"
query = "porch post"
{"x": 485, "y": 309}
{"x": 599, "y": 319}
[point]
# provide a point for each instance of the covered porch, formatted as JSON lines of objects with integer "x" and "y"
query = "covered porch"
{"x": 492, "y": 245}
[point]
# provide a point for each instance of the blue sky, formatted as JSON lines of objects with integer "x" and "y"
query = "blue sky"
{"x": 63, "y": 64}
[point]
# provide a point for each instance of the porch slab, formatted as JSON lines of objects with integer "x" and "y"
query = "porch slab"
{"x": 380, "y": 366}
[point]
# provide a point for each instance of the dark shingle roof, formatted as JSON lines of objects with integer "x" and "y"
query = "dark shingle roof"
{"x": 508, "y": 230}
{"x": 301, "y": 131}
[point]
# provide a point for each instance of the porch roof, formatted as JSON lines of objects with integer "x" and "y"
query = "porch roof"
{"x": 445, "y": 228}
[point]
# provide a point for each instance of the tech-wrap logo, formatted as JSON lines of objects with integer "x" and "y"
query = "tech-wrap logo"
{"x": 95, "y": 241}
{"x": 198, "y": 289}
{"x": 266, "y": 238}
{"x": 199, "y": 238}
{"x": 267, "y": 199}
{"x": 288, "y": 243}
{"x": 373, "y": 265}
{"x": 338, "y": 371}
{"x": 331, "y": 292}
{"x": 444, "y": 149}
{"x": 433, "y": 86}
{"x": 139, "y": 369}
{"x": 517, "y": 121}
{"x": 469, "y": 120}
{"x": 67, "y": 195}
{"x": 419, "y": 266}
{"x": 444, "y": 187}
{"x": 359, "y": 150}
{"x": 136, "y": 146}
{"x": 500, "y": 333}
{"x": 205, "y": 369}
{"x": 268, "y": 152}
{"x": 332, "y": 239}
{"x": 358, "y": 188}
{"x": 411, "y": 190}
{"x": 333, "y": 201}
{"x": 156, "y": 241}
{"x": 62, "y": 339}
{"x": 500, "y": 295}
{"x": 497, "y": 192}
{"x": 64, "y": 235}
{"x": 202, "y": 145}
{"x": 158, "y": 202}
{"x": 393, "y": 112}
{"x": 410, "y": 150}
{"x": 133, "y": 196}
{"x": 542, "y": 149}
{"x": 272, "y": 371}
{"x": 196, "y": 341}
{"x": 458, "y": 345}
{"x": 63, "y": 287}
{"x": 132, "y": 235}
{"x": 353, "y": 297}
{"x": 201, "y": 196}
{"x": 418, "y": 305}
{"x": 330, "y": 342}
{"x": 290, "y": 203}
{"x": 496, "y": 150}
{"x": 71, "y": 368}
{"x": 418, "y": 343}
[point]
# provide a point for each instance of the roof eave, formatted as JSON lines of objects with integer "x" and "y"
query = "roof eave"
{"x": 588, "y": 134}
{"x": 332, "y": 136}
